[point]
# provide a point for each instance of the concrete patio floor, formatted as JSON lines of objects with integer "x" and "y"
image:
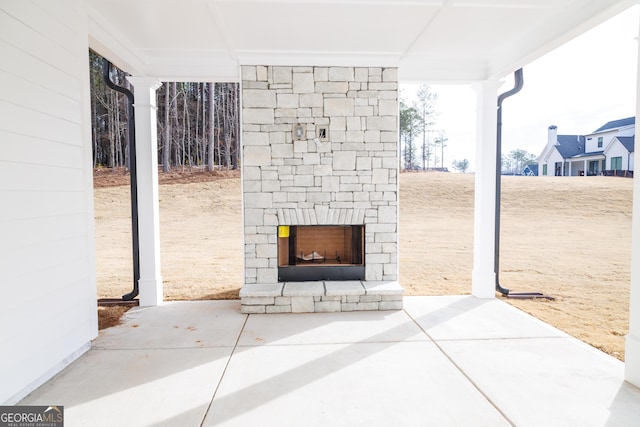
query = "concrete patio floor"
{"x": 442, "y": 361}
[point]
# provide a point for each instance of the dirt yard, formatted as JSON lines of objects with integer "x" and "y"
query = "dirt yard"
{"x": 566, "y": 237}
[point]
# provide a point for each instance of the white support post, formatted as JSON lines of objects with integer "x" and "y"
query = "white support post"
{"x": 585, "y": 168}
{"x": 150, "y": 283}
{"x": 484, "y": 225}
{"x": 632, "y": 347}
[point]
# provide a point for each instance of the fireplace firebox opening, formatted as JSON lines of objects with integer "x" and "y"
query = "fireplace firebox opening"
{"x": 320, "y": 252}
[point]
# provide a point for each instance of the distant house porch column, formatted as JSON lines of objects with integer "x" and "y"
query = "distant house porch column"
{"x": 484, "y": 276}
{"x": 632, "y": 348}
{"x": 150, "y": 283}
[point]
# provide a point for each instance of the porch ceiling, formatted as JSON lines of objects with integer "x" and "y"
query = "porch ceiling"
{"x": 430, "y": 40}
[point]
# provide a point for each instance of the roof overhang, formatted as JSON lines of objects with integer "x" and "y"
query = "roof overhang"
{"x": 436, "y": 41}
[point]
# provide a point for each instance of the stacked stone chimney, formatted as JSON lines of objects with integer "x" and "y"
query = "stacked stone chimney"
{"x": 320, "y": 147}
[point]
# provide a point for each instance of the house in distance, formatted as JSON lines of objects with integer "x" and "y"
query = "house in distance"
{"x": 606, "y": 151}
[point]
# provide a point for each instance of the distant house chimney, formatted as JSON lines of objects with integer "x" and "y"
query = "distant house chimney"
{"x": 553, "y": 135}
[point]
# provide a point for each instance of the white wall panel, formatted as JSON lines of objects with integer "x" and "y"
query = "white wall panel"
{"x": 37, "y": 71}
{"x": 30, "y": 177}
{"x": 36, "y": 204}
{"x": 39, "y": 20}
{"x": 29, "y": 121}
{"x": 27, "y": 149}
{"x": 36, "y": 231}
{"x": 35, "y": 42}
{"x": 24, "y": 93}
{"x": 47, "y": 250}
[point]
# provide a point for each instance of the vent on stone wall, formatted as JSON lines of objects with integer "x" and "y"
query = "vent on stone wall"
{"x": 323, "y": 133}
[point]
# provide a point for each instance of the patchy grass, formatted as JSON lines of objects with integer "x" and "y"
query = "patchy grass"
{"x": 110, "y": 316}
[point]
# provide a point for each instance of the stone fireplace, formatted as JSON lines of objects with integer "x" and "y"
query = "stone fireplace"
{"x": 320, "y": 189}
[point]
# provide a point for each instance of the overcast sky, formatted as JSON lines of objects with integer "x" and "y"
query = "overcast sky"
{"x": 577, "y": 87}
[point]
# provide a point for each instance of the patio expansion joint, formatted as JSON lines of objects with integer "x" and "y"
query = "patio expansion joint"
{"x": 322, "y": 343}
{"x": 500, "y": 338}
{"x": 473, "y": 383}
{"x": 224, "y": 371}
{"x": 195, "y": 347}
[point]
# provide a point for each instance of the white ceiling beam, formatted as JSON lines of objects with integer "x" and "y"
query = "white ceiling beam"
{"x": 426, "y": 26}
{"x": 222, "y": 27}
{"x": 105, "y": 40}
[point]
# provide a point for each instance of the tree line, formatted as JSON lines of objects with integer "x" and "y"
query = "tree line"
{"x": 422, "y": 146}
{"x": 198, "y": 123}
{"x": 416, "y": 122}
{"x": 512, "y": 163}
{"x": 515, "y": 162}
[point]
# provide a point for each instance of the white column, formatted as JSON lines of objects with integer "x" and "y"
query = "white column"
{"x": 150, "y": 283}
{"x": 585, "y": 168}
{"x": 484, "y": 277}
{"x": 632, "y": 350}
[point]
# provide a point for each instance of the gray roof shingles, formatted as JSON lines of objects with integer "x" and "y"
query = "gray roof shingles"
{"x": 570, "y": 145}
{"x": 616, "y": 124}
{"x": 628, "y": 142}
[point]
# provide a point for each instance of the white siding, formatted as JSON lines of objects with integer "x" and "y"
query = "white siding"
{"x": 591, "y": 141}
{"x": 47, "y": 248}
{"x": 550, "y": 161}
{"x": 627, "y": 131}
{"x": 617, "y": 150}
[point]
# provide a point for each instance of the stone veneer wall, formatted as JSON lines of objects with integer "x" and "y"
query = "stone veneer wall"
{"x": 352, "y": 178}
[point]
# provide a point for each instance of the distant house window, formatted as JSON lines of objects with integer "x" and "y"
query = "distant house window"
{"x": 544, "y": 169}
{"x": 599, "y": 142}
{"x": 616, "y": 163}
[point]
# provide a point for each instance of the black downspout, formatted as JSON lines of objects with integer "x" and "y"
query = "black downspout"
{"x": 106, "y": 71}
{"x": 518, "y": 83}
